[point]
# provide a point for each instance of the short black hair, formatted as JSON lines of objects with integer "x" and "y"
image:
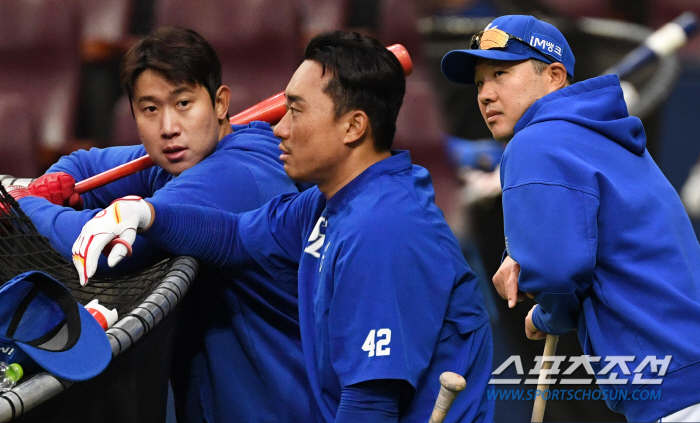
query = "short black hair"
{"x": 179, "y": 55}
{"x": 539, "y": 67}
{"x": 364, "y": 76}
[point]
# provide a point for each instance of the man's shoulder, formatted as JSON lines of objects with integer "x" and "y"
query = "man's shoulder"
{"x": 392, "y": 206}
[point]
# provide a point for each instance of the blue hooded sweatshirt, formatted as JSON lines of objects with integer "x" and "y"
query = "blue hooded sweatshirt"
{"x": 605, "y": 245}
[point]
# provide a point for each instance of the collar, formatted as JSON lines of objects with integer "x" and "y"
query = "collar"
{"x": 581, "y": 87}
{"x": 400, "y": 161}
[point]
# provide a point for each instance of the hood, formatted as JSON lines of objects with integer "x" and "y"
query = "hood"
{"x": 596, "y": 104}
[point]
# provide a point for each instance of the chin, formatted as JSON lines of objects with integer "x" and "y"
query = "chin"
{"x": 175, "y": 169}
{"x": 502, "y": 137}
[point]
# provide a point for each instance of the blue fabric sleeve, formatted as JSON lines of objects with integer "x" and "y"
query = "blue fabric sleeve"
{"x": 551, "y": 231}
{"x": 62, "y": 225}
{"x": 83, "y": 164}
{"x": 389, "y": 301}
{"x": 225, "y": 239}
{"x": 375, "y": 401}
{"x": 206, "y": 233}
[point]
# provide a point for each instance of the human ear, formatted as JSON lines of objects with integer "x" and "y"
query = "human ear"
{"x": 357, "y": 126}
{"x": 557, "y": 76}
{"x": 221, "y": 102}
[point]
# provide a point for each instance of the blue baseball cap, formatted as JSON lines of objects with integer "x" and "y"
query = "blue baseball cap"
{"x": 538, "y": 40}
{"x": 40, "y": 317}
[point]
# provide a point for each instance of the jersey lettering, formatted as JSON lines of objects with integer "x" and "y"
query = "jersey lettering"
{"x": 316, "y": 238}
{"x": 369, "y": 344}
{"x": 378, "y": 348}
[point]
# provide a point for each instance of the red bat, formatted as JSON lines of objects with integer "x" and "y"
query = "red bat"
{"x": 270, "y": 110}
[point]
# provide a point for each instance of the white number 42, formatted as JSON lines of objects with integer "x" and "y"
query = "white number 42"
{"x": 380, "y": 347}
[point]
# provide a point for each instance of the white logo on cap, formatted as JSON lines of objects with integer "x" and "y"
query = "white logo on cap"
{"x": 545, "y": 45}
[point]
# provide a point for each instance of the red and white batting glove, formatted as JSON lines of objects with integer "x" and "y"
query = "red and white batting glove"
{"x": 17, "y": 192}
{"x": 58, "y": 188}
{"x": 112, "y": 230}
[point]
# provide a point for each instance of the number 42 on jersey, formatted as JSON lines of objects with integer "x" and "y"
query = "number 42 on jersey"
{"x": 377, "y": 342}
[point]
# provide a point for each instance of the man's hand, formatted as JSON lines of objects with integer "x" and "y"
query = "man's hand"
{"x": 530, "y": 330}
{"x": 58, "y": 188}
{"x": 112, "y": 230}
{"x": 506, "y": 282}
{"x": 17, "y": 192}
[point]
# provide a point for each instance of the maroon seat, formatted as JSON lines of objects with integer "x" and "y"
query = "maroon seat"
{"x": 580, "y": 8}
{"x": 260, "y": 43}
{"x": 39, "y": 57}
{"x": 106, "y": 21}
{"x": 420, "y": 126}
{"x": 124, "y": 130}
{"x": 18, "y": 150}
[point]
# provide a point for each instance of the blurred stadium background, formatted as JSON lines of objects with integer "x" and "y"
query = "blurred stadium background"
{"x": 59, "y": 91}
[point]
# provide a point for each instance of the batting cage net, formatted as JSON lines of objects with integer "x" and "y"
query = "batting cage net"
{"x": 142, "y": 299}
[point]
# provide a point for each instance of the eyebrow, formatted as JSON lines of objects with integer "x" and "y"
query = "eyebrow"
{"x": 293, "y": 99}
{"x": 174, "y": 93}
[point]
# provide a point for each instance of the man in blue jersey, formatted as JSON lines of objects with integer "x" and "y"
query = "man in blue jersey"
{"x": 594, "y": 231}
{"x": 238, "y": 352}
{"x": 386, "y": 300}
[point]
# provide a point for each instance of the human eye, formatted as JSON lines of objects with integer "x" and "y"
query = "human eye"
{"x": 183, "y": 103}
{"x": 149, "y": 109}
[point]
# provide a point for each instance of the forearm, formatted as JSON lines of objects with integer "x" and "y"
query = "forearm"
{"x": 202, "y": 232}
{"x": 375, "y": 401}
{"x": 551, "y": 232}
{"x": 557, "y": 314}
{"x": 83, "y": 164}
{"x": 60, "y": 225}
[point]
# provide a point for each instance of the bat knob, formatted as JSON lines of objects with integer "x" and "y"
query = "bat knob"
{"x": 688, "y": 21}
{"x": 453, "y": 382}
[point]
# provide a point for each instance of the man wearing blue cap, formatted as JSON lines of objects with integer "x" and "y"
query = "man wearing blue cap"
{"x": 594, "y": 231}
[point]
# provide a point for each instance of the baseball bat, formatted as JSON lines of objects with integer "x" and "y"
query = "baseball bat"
{"x": 661, "y": 43}
{"x": 451, "y": 385}
{"x": 550, "y": 346}
{"x": 270, "y": 110}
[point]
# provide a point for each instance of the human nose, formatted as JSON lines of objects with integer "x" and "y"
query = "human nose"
{"x": 282, "y": 128}
{"x": 487, "y": 94}
{"x": 170, "y": 124}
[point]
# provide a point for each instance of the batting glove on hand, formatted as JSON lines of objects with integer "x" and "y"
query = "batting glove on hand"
{"x": 112, "y": 231}
{"x": 58, "y": 188}
{"x": 17, "y": 192}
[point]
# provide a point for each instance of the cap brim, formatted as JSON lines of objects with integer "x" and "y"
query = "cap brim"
{"x": 85, "y": 360}
{"x": 458, "y": 65}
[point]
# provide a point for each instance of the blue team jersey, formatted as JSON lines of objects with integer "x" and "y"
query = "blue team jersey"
{"x": 238, "y": 355}
{"x": 384, "y": 291}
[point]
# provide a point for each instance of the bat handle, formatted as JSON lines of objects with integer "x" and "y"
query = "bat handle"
{"x": 550, "y": 347}
{"x": 114, "y": 174}
{"x": 452, "y": 384}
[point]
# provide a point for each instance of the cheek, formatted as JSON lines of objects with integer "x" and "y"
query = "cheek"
{"x": 149, "y": 132}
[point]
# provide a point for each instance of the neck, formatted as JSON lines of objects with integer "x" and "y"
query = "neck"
{"x": 224, "y": 129}
{"x": 351, "y": 169}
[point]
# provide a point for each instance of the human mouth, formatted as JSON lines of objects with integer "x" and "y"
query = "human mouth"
{"x": 285, "y": 153}
{"x": 492, "y": 116}
{"x": 174, "y": 152}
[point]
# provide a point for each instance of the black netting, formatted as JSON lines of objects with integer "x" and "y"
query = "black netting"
{"x": 22, "y": 249}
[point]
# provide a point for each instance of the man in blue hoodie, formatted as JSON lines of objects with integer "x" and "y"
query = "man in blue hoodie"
{"x": 594, "y": 231}
{"x": 237, "y": 355}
